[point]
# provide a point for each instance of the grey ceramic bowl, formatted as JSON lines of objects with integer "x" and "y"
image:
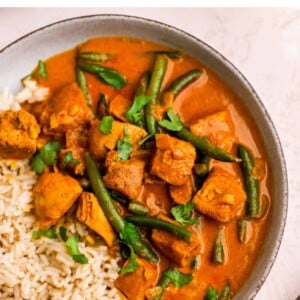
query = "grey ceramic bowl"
{"x": 20, "y": 56}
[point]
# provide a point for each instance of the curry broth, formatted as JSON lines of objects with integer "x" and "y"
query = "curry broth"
{"x": 207, "y": 95}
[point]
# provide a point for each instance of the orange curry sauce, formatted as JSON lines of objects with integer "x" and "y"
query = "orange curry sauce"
{"x": 207, "y": 95}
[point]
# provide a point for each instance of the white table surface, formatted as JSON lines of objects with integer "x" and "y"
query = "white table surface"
{"x": 265, "y": 45}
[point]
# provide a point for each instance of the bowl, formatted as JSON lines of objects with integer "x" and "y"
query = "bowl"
{"x": 65, "y": 34}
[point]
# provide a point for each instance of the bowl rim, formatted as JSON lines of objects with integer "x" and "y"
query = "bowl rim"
{"x": 232, "y": 67}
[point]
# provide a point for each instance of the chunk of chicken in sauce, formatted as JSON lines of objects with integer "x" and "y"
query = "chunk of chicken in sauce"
{"x": 118, "y": 106}
{"x": 100, "y": 144}
{"x": 218, "y": 128}
{"x": 19, "y": 131}
{"x": 173, "y": 160}
{"x": 90, "y": 213}
{"x": 76, "y": 143}
{"x": 66, "y": 110}
{"x": 221, "y": 197}
{"x": 134, "y": 285}
{"x": 125, "y": 176}
{"x": 53, "y": 195}
{"x": 177, "y": 250}
{"x": 182, "y": 194}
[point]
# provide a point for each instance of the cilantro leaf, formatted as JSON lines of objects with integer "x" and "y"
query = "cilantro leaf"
{"x": 47, "y": 155}
{"x": 49, "y": 233}
{"x": 105, "y": 126}
{"x": 133, "y": 115}
{"x": 131, "y": 264}
{"x": 124, "y": 146}
{"x": 72, "y": 244}
{"x": 63, "y": 233}
{"x": 37, "y": 164}
{"x": 42, "y": 69}
{"x": 49, "y": 152}
{"x": 182, "y": 214}
{"x": 68, "y": 158}
{"x": 211, "y": 294}
{"x": 130, "y": 234}
{"x": 177, "y": 278}
{"x": 173, "y": 124}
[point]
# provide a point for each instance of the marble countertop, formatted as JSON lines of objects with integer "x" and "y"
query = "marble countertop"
{"x": 264, "y": 44}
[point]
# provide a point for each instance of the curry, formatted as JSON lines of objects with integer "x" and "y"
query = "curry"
{"x": 160, "y": 159}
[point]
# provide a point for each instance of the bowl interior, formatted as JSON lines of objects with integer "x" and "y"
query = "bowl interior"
{"x": 60, "y": 36}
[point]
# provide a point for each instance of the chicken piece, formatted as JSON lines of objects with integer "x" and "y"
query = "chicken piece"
{"x": 53, "y": 195}
{"x": 100, "y": 144}
{"x": 19, "y": 131}
{"x": 90, "y": 213}
{"x": 134, "y": 285}
{"x": 67, "y": 109}
{"x": 182, "y": 194}
{"x": 218, "y": 128}
{"x": 221, "y": 197}
{"x": 76, "y": 142}
{"x": 176, "y": 249}
{"x": 124, "y": 176}
{"x": 173, "y": 160}
{"x": 118, "y": 106}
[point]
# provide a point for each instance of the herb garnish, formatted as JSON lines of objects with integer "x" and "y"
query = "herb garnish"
{"x": 133, "y": 115}
{"x": 72, "y": 244}
{"x": 124, "y": 146}
{"x": 68, "y": 158}
{"x": 174, "y": 123}
{"x": 105, "y": 125}
{"x": 182, "y": 214}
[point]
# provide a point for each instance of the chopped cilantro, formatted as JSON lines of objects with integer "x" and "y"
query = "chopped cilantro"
{"x": 72, "y": 244}
{"x": 49, "y": 233}
{"x": 68, "y": 158}
{"x": 124, "y": 146}
{"x": 42, "y": 69}
{"x": 37, "y": 164}
{"x": 133, "y": 115}
{"x": 182, "y": 214}
{"x": 47, "y": 155}
{"x": 173, "y": 124}
{"x": 177, "y": 278}
{"x": 105, "y": 126}
{"x": 131, "y": 265}
{"x": 211, "y": 294}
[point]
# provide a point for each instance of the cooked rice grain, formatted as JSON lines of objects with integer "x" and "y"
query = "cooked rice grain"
{"x": 42, "y": 269}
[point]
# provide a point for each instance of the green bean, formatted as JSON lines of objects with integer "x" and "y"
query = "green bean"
{"x": 81, "y": 79}
{"x": 110, "y": 211}
{"x": 218, "y": 250}
{"x": 141, "y": 90}
{"x": 107, "y": 75}
{"x": 171, "y": 54}
{"x": 205, "y": 147}
{"x": 183, "y": 81}
{"x": 152, "y": 222}
{"x": 225, "y": 293}
{"x": 242, "y": 230}
{"x": 250, "y": 182}
{"x": 158, "y": 73}
{"x": 103, "y": 195}
{"x": 202, "y": 170}
{"x": 94, "y": 56}
{"x": 102, "y": 107}
{"x": 163, "y": 283}
{"x": 138, "y": 208}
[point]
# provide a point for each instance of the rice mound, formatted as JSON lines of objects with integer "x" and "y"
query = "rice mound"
{"x": 42, "y": 268}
